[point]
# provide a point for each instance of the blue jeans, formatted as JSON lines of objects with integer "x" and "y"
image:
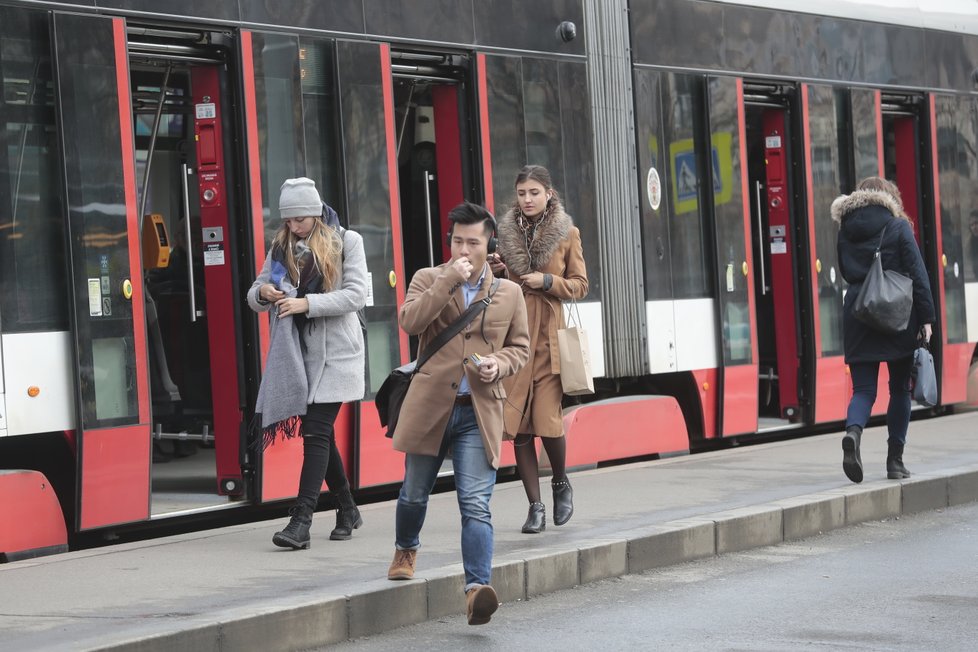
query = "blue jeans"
{"x": 864, "y": 381}
{"x": 474, "y": 480}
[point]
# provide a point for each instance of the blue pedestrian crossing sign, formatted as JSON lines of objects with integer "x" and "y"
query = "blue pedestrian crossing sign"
{"x": 685, "y": 183}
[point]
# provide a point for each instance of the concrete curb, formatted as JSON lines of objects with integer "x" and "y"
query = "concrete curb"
{"x": 383, "y": 605}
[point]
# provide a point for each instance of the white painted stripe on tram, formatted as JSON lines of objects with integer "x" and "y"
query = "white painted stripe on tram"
{"x": 681, "y": 335}
{"x": 42, "y": 360}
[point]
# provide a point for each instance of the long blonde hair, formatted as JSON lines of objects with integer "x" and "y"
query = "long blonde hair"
{"x": 326, "y": 246}
{"x": 880, "y": 184}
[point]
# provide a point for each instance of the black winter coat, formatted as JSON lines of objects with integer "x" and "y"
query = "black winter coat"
{"x": 862, "y": 215}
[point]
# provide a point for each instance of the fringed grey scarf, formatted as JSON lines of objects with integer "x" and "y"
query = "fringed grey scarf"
{"x": 284, "y": 389}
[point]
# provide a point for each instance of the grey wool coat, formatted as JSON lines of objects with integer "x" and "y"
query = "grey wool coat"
{"x": 334, "y": 357}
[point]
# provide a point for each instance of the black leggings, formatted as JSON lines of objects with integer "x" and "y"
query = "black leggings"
{"x": 320, "y": 457}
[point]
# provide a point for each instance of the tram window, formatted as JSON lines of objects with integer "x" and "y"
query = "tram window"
{"x": 579, "y": 175}
{"x": 958, "y": 176}
{"x": 652, "y": 179}
{"x": 505, "y": 100}
{"x": 319, "y": 112}
{"x": 728, "y": 211}
{"x": 281, "y": 143}
{"x": 826, "y": 186}
{"x": 171, "y": 124}
{"x": 33, "y": 272}
{"x": 864, "y": 137}
{"x": 543, "y": 137}
{"x": 682, "y": 112}
{"x": 369, "y": 210}
{"x": 535, "y": 118}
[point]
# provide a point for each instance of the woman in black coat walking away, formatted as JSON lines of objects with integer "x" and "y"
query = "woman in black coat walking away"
{"x": 874, "y": 206}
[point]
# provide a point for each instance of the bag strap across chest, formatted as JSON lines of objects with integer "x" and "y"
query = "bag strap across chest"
{"x": 456, "y": 326}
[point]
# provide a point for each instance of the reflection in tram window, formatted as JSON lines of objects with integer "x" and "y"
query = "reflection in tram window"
{"x": 653, "y": 177}
{"x": 33, "y": 286}
{"x": 728, "y": 212}
{"x": 536, "y": 117}
{"x": 826, "y": 186}
{"x": 958, "y": 177}
{"x": 682, "y": 106}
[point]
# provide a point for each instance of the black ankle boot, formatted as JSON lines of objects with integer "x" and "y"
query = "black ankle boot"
{"x": 563, "y": 501}
{"x": 895, "y": 470}
{"x": 852, "y": 463}
{"x": 536, "y": 519}
{"x": 347, "y": 516}
{"x": 296, "y": 533}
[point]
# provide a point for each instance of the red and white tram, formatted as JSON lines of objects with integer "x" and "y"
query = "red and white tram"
{"x": 143, "y": 149}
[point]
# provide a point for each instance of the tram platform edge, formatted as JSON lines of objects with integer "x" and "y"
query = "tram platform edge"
{"x": 231, "y": 589}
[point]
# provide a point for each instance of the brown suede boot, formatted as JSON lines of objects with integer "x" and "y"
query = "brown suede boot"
{"x": 402, "y": 568}
{"x": 481, "y": 603}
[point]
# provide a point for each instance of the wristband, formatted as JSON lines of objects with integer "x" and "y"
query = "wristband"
{"x": 548, "y": 282}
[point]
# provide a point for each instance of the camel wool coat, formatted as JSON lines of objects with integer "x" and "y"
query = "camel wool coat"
{"x": 435, "y": 300}
{"x": 556, "y": 250}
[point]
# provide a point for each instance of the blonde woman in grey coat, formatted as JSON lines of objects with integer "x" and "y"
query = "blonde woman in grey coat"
{"x": 314, "y": 281}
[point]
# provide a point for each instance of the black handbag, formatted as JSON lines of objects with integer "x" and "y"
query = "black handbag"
{"x": 924, "y": 376}
{"x": 885, "y": 300}
{"x": 390, "y": 396}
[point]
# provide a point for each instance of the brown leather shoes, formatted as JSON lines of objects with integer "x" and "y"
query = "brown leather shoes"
{"x": 481, "y": 603}
{"x": 402, "y": 568}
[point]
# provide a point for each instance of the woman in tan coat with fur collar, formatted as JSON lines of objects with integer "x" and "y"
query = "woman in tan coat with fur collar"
{"x": 540, "y": 248}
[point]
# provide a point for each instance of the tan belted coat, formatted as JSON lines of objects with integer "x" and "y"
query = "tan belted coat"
{"x": 556, "y": 250}
{"x": 434, "y": 300}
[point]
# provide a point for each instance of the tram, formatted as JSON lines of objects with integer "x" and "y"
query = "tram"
{"x": 697, "y": 144}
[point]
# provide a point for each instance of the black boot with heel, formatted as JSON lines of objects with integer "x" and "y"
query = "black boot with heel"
{"x": 296, "y": 533}
{"x": 347, "y": 516}
{"x": 852, "y": 463}
{"x": 895, "y": 470}
{"x": 563, "y": 501}
{"x": 536, "y": 519}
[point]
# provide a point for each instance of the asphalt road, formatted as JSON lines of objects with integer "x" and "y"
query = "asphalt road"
{"x": 901, "y": 584}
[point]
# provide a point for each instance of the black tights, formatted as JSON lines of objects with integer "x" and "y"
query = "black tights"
{"x": 320, "y": 457}
{"x": 527, "y": 465}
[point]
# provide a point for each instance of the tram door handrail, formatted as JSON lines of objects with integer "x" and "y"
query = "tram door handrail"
{"x": 428, "y": 178}
{"x": 760, "y": 234}
{"x": 192, "y": 292}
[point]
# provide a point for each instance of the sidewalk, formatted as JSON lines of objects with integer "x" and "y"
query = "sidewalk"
{"x": 231, "y": 589}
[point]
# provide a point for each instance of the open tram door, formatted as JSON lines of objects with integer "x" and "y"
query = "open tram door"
{"x": 410, "y": 113}
{"x": 181, "y": 105}
{"x": 112, "y": 435}
{"x": 432, "y": 129}
{"x": 771, "y": 151}
{"x": 886, "y": 132}
{"x": 950, "y": 244}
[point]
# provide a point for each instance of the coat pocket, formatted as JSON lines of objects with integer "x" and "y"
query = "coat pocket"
{"x": 346, "y": 339}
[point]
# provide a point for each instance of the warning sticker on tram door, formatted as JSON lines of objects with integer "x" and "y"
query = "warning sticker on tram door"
{"x": 206, "y": 110}
{"x": 213, "y": 253}
{"x": 94, "y": 297}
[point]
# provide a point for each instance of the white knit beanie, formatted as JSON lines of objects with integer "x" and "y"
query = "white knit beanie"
{"x": 299, "y": 198}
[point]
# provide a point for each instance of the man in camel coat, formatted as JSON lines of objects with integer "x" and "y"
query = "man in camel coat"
{"x": 456, "y": 401}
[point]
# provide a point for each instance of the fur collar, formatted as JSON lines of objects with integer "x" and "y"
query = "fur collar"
{"x": 520, "y": 258}
{"x": 846, "y": 204}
